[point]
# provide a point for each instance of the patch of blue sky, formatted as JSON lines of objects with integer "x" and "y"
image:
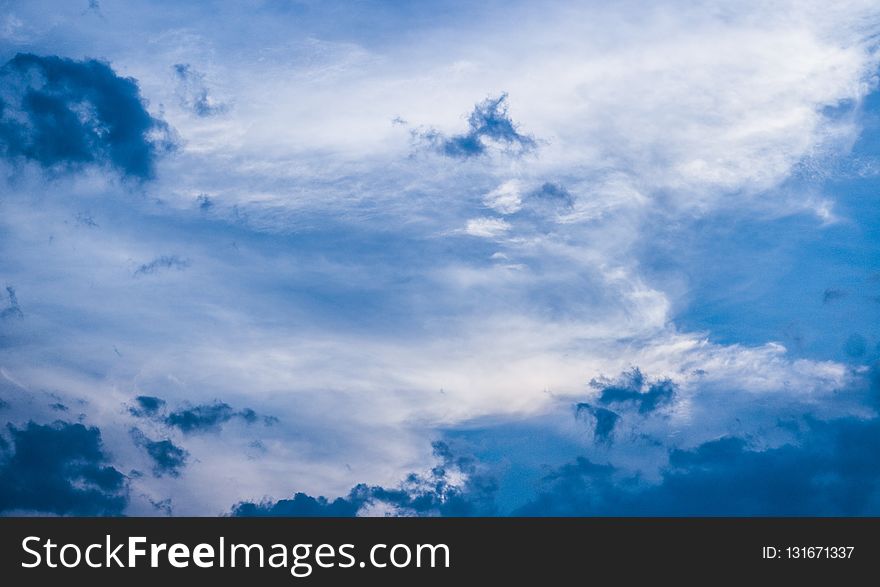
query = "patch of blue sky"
{"x": 809, "y": 282}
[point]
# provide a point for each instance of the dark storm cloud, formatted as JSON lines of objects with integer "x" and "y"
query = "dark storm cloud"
{"x": 832, "y": 471}
{"x": 61, "y": 469}
{"x": 209, "y": 417}
{"x": 168, "y": 458}
{"x": 198, "y": 418}
{"x": 430, "y": 494}
{"x": 488, "y": 123}
{"x": 632, "y": 387}
{"x": 147, "y": 406}
{"x": 162, "y": 505}
{"x": 63, "y": 113}
{"x": 303, "y": 505}
{"x": 602, "y": 420}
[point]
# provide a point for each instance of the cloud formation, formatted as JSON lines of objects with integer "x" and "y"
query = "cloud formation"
{"x": 12, "y": 310}
{"x": 160, "y": 263}
{"x": 193, "y": 92}
{"x": 168, "y": 458}
{"x": 210, "y": 417}
{"x": 191, "y": 419}
{"x": 553, "y": 196}
{"x": 826, "y": 472}
{"x": 454, "y": 487}
{"x": 64, "y": 113}
{"x": 602, "y": 420}
{"x": 489, "y": 124}
{"x": 59, "y": 468}
{"x": 633, "y": 388}
{"x": 147, "y": 406}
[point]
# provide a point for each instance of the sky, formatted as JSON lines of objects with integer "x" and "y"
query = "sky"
{"x": 442, "y": 258}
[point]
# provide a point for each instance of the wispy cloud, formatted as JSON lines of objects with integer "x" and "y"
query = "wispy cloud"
{"x": 488, "y": 125}
{"x": 194, "y": 92}
{"x": 160, "y": 263}
{"x": 12, "y": 310}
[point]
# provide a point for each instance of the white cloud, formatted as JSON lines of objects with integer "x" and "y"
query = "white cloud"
{"x": 506, "y": 198}
{"x": 486, "y": 227}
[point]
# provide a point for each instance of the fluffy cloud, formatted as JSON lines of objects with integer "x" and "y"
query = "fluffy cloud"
{"x": 506, "y": 198}
{"x": 64, "y": 113}
{"x": 826, "y": 472}
{"x": 486, "y": 227}
{"x": 59, "y": 468}
{"x": 454, "y": 487}
{"x": 147, "y": 406}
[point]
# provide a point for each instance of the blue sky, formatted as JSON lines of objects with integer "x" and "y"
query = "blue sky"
{"x": 447, "y": 258}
